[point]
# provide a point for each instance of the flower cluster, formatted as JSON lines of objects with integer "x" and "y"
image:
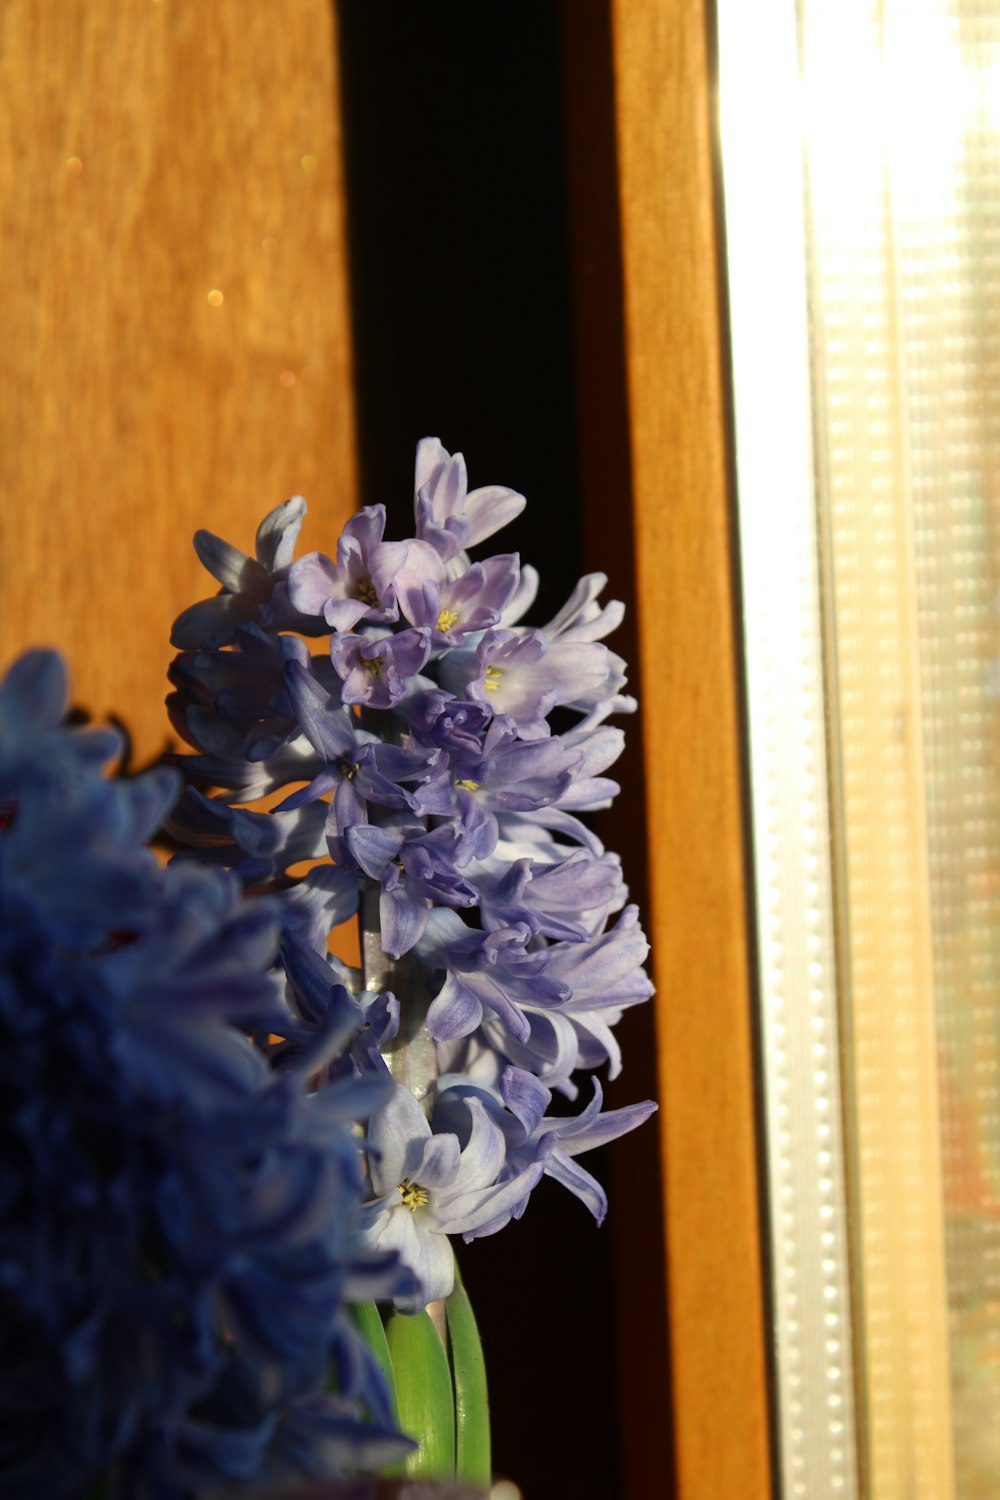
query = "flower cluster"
{"x": 181, "y": 1227}
{"x": 411, "y": 763}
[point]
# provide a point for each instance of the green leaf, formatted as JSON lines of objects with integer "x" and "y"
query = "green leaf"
{"x": 424, "y": 1394}
{"x": 366, "y": 1319}
{"x": 472, "y": 1406}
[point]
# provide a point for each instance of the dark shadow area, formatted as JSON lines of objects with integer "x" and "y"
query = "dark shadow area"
{"x": 462, "y": 310}
{"x": 636, "y": 1172}
{"x": 459, "y": 258}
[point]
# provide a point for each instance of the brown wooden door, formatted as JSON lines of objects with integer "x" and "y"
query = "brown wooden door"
{"x": 174, "y": 312}
{"x": 177, "y": 353}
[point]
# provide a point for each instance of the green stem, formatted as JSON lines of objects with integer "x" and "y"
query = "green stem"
{"x": 472, "y": 1406}
{"x": 424, "y": 1393}
{"x": 366, "y": 1319}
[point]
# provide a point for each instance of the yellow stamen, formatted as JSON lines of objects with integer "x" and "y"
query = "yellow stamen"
{"x": 348, "y": 770}
{"x": 468, "y": 786}
{"x": 493, "y": 676}
{"x": 446, "y": 619}
{"x": 365, "y": 591}
{"x": 413, "y": 1196}
{"x": 373, "y": 664}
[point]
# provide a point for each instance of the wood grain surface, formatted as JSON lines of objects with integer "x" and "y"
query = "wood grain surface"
{"x": 153, "y": 152}
{"x": 690, "y": 697}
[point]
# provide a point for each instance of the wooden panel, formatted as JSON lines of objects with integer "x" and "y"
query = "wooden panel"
{"x": 690, "y": 698}
{"x": 153, "y": 152}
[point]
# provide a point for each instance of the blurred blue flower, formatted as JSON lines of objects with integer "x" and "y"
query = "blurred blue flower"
{"x": 180, "y": 1226}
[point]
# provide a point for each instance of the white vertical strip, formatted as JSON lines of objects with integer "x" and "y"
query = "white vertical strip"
{"x": 762, "y": 165}
{"x": 885, "y": 154}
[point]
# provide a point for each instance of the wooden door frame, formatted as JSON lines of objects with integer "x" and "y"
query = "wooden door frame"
{"x": 654, "y": 416}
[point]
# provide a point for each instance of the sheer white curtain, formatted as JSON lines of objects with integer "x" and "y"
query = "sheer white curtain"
{"x": 861, "y": 152}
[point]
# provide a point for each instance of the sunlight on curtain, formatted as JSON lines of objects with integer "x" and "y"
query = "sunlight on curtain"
{"x": 884, "y": 144}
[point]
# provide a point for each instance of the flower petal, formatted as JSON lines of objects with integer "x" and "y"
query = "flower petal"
{"x": 234, "y": 570}
{"x": 278, "y": 533}
{"x": 396, "y": 1138}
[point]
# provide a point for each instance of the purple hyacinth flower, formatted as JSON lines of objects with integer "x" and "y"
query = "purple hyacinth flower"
{"x": 551, "y": 1052}
{"x": 319, "y": 1002}
{"x": 581, "y": 617}
{"x": 360, "y": 584}
{"x": 572, "y": 1136}
{"x": 378, "y": 670}
{"x": 243, "y": 687}
{"x": 606, "y": 972}
{"x": 428, "y": 1187}
{"x": 597, "y": 749}
{"x": 568, "y": 898}
{"x": 491, "y": 969}
{"x": 415, "y": 867}
{"x": 223, "y": 762}
{"x": 448, "y": 515}
{"x": 252, "y": 587}
{"x": 436, "y": 717}
{"x": 524, "y": 597}
{"x": 254, "y": 845}
{"x": 531, "y": 1135}
{"x": 508, "y": 774}
{"x": 454, "y": 607}
{"x": 524, "y": 675}
{"x": 605, "y": 976}
{"x": 357, "y": 766}
{"x": 325, "y": 897}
